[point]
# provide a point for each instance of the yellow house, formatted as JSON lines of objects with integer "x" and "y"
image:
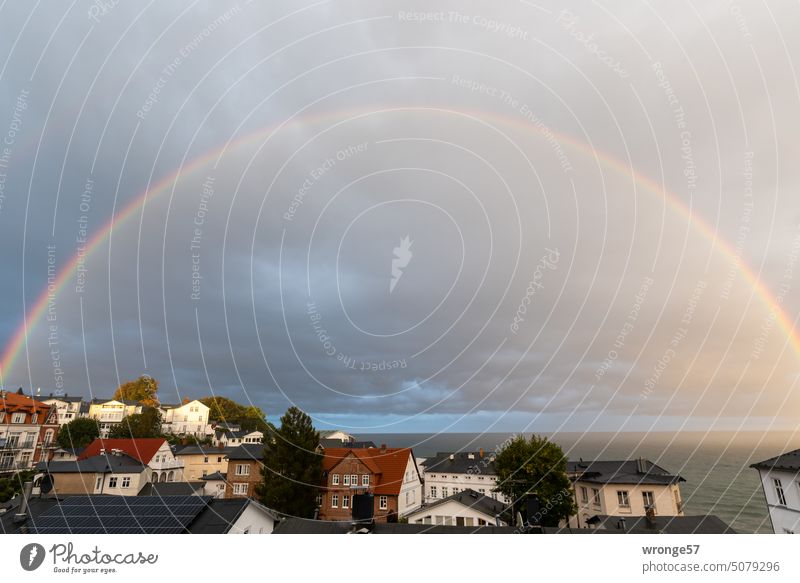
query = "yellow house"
{"x": 203, "y": 460}
{"x": 111, "y": 412}
{"x": 623, "y": 488}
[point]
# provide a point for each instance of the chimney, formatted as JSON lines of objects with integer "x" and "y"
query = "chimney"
{"x": 480, "y": 451}
{"x": 452, "y": 457}
{"x": 383, "y": 447}
{"x": 470, "y": 456}
{"x": 22, "y": 512}
{"x": 641, "y": 465}
{"x": 621, "y": 524}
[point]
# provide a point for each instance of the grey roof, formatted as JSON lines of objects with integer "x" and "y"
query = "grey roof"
{"x": 96, "y": 464}
{"x": 460, "y": 464}
{"x": 172, "y": 489}
{"x": 247, "y": 451}
{"x": 64, "y": 398}
{"x": 215, "y": 476}
{"x": 337, "y": 443}
{"x": 789, "y": 462}
{"x": 471, "y": 499}
{"x": 98, "y": 514}
{"x": 621, "y": 472}
{"x": 701, "y": 524}
{"x": 208, "y": 450}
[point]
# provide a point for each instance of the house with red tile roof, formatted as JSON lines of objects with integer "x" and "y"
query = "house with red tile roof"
{"x": 153, "y": 452}
{"x": 28, "y": 431}
{"x": 391, "y": 475}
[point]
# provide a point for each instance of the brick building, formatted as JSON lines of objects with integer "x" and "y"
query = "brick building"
{"x": 244, "y": 470}
{"x": 28, "y": 431}
{"x": 390, "y": 474}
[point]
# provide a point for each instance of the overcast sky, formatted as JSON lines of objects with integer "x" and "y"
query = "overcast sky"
{"x": 478, "y": 218}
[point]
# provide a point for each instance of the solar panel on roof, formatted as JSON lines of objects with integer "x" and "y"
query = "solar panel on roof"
{"x": 121, "y": 514}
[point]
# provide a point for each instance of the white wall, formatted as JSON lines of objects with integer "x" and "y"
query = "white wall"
{"x": 254, "y": 520}
{"x": 447, "y": 513}
{"x": 411, "y": 489}
{"x": 785, "y": 518}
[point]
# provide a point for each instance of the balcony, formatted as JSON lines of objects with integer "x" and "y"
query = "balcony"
{"x": 166, "y": 465}
{"x": 13, "y": 466}
{"x": 17, "y": 444}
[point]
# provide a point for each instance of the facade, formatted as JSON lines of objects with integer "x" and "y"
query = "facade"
{"x": 154, "y": 452}
{"x": 623, "y": 488}
{"x": 69, "y": 408}
{"x": 390, "y": 474}
{"x": 466, "y": 508}
{"x": 244, "y": 471}
{"x": 114, "y": 474}
{"x": 28, "y": 431}
{"x": 111, "y": 412}
{"x": 780, "y": 481}
{"x": 203, "y": 460}
{"x": 187, "y": 419}
{"x": 336, "y": 435}
{"x": 446, "y": 474}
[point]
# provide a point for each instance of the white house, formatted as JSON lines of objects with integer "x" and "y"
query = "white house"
{"x": 187, "y": 419}
{"x": 228, "y": 438}
{"x": 154, "y": 452}
{"x": 780, "y": 480}
{"x": 623, "y": 488}
{"x": 446, "y": 474}
{"x": 466, "y": 508}
{"x": 68, "y": 408}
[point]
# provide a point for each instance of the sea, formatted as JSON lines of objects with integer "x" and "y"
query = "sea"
{"x": 715, "y": 465}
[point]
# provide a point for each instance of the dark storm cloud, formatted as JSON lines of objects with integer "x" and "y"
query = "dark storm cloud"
{"x": 539, "y": 283}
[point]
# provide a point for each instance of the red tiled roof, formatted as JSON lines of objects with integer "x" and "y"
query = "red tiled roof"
{"x": 142, "y": 449}
{"x": 388, "y": 465}
{"x": 12, "y": 402}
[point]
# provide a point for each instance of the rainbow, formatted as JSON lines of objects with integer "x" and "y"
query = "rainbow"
{"x": 18, "y": 341}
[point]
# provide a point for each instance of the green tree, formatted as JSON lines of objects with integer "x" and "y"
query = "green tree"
{"x": 536, "y": 466}
{"x": 13, "y": 484}
{"x": 222, "y": 409}
{"x": 79, "y": 432}
{"x": 292, "y": 471}
{"x": 143, "y": 390}
{"x": 144, "y": 424}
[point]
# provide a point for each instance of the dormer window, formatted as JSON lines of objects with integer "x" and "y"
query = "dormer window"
{"x": 18, "y": 418}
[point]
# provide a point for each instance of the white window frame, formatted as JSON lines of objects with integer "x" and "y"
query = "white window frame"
{"x": 649, "y": 499}
{"x": 126, "y": 482}
{"x": 345, "y": 501}
{"x": 240, "y": 489}
{"x": 242, "y": 469}
{"x": 383, "y": 502}
{"x": 584, "y": 495}
{"x": 780, "y": 494}
{"x": 434, "y": 492}
{"x": 335, "y": 479}
{"x": 18, "y": 418}
{"x": 112, "y": 482}
{"x": 354, "y": 479}
{"x": 365, "y": 480}
{"x": 346, "y": 480}
{"x": 335, "y": 501}
{"x": 623, "y": 499}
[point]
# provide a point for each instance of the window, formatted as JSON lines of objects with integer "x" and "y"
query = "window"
{"x": 383, "y": 502}
{"x": 622, "y": 498}
{"x": 335, "y": 501}
{"x": 482, "y": 491}
{"x": 347, "y": 479}
{"x": 18, "y": 418}
{"x": 205, "y": 460}
{"x": 219, "y": 459}
{"x": 596, "y": 496}
{"x": 2, "y": 416}
{"x": 365, "y": 480}
{"x": 407, "y": 498}
{"x": 240, "y": 489}
{"x": 205, "y": 473}
{"x": 445, "y": 492}
{"x": 242, "y": 469}
{"x": 98, "y": 483}
{"x": 34, "y": 418}
{"x": 649, "y": 499}
{"x": 584, "y": 495}
{"x": 126, "y": 482}
{"x": 354, "y": 480}
{"x": 779, "y": 491}
{"x": 433, "y": 492}
{"x": 319, "y": 500}
{"x": 112, "y": 482}
{"x": 345, "y": 501}
{"x": 335, "y": 479}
